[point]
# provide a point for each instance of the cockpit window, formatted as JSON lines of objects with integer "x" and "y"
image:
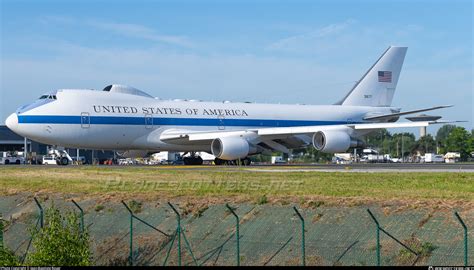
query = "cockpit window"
{"x": 48, "y": 97}
{"x": 107, "y": 88}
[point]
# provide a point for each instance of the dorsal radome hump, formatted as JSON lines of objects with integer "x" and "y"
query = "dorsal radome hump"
{"x": 124, "y": 89}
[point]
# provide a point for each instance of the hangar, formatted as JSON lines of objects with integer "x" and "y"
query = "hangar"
{"x": 12, "y": 142}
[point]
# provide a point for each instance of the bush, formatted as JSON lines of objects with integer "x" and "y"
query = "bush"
{"x": 262, "y": 200}
{"x": 135, "y": 206}
{"x": 60, "y": 242}
{"x": 7, "y": 258}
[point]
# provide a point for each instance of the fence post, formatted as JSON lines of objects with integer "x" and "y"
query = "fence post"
{"x": 82, "y": 215}
{"x": 378, "y": 235}
{"x": 303, "y": 255}
{"x": 465, "y": 237}
{"x": 41, "y": 223}
{"x": 237, "y": 221}
{"x": 130, "y": 256}
{"x": 1, "y": 231}
{"x": 178, "y": 232}
{"x": 41, "y": 217}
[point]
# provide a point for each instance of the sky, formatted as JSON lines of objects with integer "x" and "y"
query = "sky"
{"x": 307, "y": 52}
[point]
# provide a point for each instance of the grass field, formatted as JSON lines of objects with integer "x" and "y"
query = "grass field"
{"x": 152, "y": 182}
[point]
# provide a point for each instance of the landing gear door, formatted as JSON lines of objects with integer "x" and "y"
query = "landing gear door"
{"x": 148, "y": 121}
{"x": 220, "y": 122}
{"x": 85, "y": 120}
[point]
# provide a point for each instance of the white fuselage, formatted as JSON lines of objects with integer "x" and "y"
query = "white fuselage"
{"x": 104, "y": 120}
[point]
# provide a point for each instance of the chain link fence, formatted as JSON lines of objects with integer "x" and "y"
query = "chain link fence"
{"x": 163, "y": 233}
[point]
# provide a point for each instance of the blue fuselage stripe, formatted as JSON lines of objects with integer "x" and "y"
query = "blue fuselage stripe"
{"x": 157, "y": 121}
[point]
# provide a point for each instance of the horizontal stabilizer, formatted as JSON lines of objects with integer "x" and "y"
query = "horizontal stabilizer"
{"x": 385, "y": 116}
{"x": 402, "y": 124}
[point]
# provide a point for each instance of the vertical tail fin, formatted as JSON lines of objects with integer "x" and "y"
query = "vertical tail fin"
{"x": 377, "y": 86}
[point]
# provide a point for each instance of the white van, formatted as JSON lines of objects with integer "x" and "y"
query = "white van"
{"x": 49, "y": 160}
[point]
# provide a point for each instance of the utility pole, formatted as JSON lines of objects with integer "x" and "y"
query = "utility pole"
{"x": 25, "y": 150}
{"x": 403, "y": 153}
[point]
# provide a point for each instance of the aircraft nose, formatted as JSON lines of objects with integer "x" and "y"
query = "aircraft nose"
{"x": 12, "y": 122}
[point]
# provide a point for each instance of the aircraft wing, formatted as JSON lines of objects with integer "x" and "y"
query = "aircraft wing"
{"x": 278, "y": 139}
{"x": 190, "y": 135}
{"x": 387, "y": 116}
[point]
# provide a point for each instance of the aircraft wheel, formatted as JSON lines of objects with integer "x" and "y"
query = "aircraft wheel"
{"x": 64, "y": 161}
{"x": 246, "y": 161}
{"x": 193, "y": 160}
{"x": 187, "y": 161}
{"x": 218, "y": 161}
{"x": 198, "y": 160}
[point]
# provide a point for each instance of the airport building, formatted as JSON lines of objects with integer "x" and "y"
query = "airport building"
{"x": 12, "y": 142}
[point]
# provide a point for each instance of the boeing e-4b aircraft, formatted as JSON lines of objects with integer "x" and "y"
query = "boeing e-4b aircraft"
{"x": 127, "y": 119}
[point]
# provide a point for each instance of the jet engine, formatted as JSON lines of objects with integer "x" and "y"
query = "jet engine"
{"x": 333, "y": 141}
{"x": 231, "y": 148}
{"x": 133, "y": 153}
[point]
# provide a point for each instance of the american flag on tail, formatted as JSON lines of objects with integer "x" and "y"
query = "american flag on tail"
{"x": 385, "y": 76}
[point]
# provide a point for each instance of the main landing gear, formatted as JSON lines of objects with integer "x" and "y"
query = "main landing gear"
{"x": 192, "y": 160}
{"x": 244, "y": 161}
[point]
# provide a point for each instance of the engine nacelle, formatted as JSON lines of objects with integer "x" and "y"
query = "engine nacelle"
{"x": 134, "y": 153}
{"x": 231, "y": 148}
{"x": 332, "y": 141}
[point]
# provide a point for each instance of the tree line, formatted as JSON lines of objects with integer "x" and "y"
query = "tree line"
{"x": 449, "y": 138}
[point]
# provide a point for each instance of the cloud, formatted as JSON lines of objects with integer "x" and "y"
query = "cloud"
{"x": 295, "y": 42}
{"x": 333, "y": 40}
{"x": 140, "y": 31}
{"x": 124, "y": 29}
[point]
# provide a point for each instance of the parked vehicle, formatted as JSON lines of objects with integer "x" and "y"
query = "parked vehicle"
{"x": 452, "y": 157}
{"x": 6, "y": 159}
{"x": 49, "y": 160}
{"x": 433, "y": 158}
{"x": 278, "y": 160}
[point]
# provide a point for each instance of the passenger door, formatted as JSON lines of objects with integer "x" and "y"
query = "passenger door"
{"x": 148, "y": 121}
{"x": 220, "y": 122}
{"x": 85, "y": 120}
